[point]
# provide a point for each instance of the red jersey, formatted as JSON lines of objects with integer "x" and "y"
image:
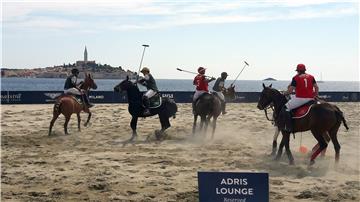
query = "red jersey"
{"x": 304, "y": 85}
{"x": 201, "y": 83}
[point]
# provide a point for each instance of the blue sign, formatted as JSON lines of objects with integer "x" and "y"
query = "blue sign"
{"x": 233, "y": 187}
{"x": 44, "y": 97}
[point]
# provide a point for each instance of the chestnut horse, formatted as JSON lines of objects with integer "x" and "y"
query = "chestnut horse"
{"x": 323, "y": 120}
{"x": 68, "y": 105}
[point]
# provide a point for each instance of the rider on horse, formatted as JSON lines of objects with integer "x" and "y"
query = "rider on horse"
{"x": 218, "y": 88}
{"x": 306, "y": 89}
{"x": 71, "y": 87}
{"x": 149, "y": 82}
{"x": 202, "y": 85}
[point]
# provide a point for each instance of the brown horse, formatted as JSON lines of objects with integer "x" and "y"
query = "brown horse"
{"x": 67, "y": 105}
{"x": 323, "y": 120}
{"x": 209, "y": 106}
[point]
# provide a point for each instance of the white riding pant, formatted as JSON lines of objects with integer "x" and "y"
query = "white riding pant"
{"x": 220, "y": 95}
{"x": 150, "y": 93}
{"x": 73, "y": 91}
{"x": 295, "y": 102}
{"x": 198, "y": 93}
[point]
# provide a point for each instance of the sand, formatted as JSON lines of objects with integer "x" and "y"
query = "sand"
{"x": 94, "y": 165}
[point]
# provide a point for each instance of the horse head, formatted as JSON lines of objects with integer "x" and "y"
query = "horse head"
{"x": 124, "y": 85}
{"x": 88, "y": 82}
{"x": 266, "y": 97}
{"x": 230, "y": 92}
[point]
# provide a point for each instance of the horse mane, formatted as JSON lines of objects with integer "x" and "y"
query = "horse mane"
{"x": 279, "y": 99}
{"x": 278, "y": 95}
{"x": 133, "y": 91}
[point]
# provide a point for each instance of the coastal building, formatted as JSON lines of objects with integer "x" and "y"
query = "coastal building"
{"x": 83, "y": 63}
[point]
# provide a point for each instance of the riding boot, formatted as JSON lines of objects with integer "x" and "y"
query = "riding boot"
{"x": 87, "y": 101}
{"x": 146, "y": 103}
{"x": 288, "y": 120}
{"x": 223, "y": 106}
{"x": 193, "y": 107}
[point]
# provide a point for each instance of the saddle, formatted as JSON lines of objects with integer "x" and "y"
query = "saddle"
{"x": 303, "y": 110}
{"x": 77, "y": 98}
{"x": 155, "y": 101}
{"x": 202, "y": 95}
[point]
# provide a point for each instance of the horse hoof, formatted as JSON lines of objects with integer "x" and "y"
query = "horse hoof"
{"x": 157, "y": 135}
{"x": 133, "y": 138}
{"x": 277, "y": 158}
{"x": 312, "y": 162}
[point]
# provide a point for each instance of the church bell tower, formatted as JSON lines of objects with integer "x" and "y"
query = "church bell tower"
{"x": 85, "y": 55}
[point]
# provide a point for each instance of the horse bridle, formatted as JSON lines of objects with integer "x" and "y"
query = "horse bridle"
{"x": 270, "y": 106}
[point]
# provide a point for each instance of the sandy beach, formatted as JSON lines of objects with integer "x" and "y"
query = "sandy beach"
{"x": 93, "y": 165}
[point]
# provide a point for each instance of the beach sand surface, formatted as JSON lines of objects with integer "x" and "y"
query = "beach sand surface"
{"x": 94, "y": 165}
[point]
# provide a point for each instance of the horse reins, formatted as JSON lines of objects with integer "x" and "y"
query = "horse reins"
{"x": 270, "y": 106}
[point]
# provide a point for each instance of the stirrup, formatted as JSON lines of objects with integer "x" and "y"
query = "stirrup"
{"x": 146, "y": 112}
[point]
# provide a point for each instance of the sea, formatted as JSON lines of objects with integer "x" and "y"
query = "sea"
{"x": 57, "y": 84}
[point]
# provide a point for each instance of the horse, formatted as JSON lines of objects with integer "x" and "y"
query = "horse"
{"x": 167, "y": 109}
{"x": 277, "y": 132}
{"x": 208, "y": 106}
{"x": 67, "y": 105}
{"x": 229, "y": 93}
{"x": 323, "y": 120}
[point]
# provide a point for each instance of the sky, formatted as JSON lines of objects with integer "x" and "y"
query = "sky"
{"x": 272, "y": 36}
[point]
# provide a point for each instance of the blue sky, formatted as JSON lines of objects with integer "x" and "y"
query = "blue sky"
{"x": 273, "y": 36}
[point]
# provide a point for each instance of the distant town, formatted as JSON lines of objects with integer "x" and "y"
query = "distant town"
{"x": 99, "y": 71}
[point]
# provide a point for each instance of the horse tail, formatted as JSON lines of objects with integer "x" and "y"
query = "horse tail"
{"x": 57, "y": 106}
{"x": 211, "y": 105}
{"x": 170, "y": 106}
{"x": 340, "y": 115}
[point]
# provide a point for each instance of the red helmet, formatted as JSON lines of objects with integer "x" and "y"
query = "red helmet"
{"x": 201, "y": 70}
{"x": 300, "y": 67}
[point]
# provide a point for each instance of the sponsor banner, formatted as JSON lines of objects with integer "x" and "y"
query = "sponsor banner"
{"x": 43, "y": 97}
{"x": 233, "y": 187}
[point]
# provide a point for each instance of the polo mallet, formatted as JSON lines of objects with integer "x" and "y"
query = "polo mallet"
{"x": 246, "y": 64}
{"x": 142, "y": 57}
{"x": 182, "y": 70}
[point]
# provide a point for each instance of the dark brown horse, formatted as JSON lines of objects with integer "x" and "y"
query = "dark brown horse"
{"x": 323, "y": 120}
{"x": 68, "y": 105}
{"x": 167, "y": 109}
{"x": 229, "y": 93}
{"x": 209, "y": 106}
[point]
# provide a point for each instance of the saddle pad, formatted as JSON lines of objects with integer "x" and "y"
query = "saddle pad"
{"x": 301, "y": 111}
{"x": 77, "y": 99}
{"x": 155, "y": 102}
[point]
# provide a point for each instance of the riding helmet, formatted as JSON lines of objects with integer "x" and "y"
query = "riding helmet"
{"x": 300, "y": 67}
{"x": 145, "y": 70}
{"x": 75, "y": 71}
{"x": 223, "y": 74}
{"x": 201, "y": 70}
